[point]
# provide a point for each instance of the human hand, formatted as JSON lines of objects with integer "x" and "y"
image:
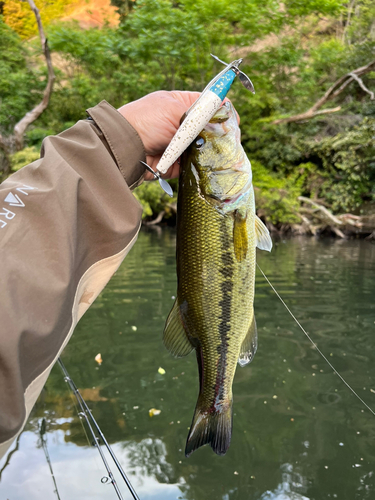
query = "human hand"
{"x": 156, "y": 118}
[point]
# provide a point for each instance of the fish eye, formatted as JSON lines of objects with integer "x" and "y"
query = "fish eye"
{"x": 199, "y": 142}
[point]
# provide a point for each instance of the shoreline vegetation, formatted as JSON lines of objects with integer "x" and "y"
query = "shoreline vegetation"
{"x": 315, "y": 219}
{"x": 309, "y": 130}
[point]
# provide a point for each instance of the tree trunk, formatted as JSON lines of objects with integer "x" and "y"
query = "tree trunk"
{"x": 15, "y": 142}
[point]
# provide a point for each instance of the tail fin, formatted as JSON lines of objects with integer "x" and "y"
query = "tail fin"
{"x": 214, "y": 428}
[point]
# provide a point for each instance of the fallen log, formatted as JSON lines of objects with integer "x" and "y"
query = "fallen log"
{"x": 318, "y": 219}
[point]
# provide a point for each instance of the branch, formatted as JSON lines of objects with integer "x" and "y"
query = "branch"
{"x": 324, "y": 215}
{"x": 32, "y": 115}
{"x": 338, "y": 232}
{"x": 362, "y": 85}
{"x": 332, "y": 92}
{"x": 306, "y": 116}
{"x": 327, "y": 214}
{"x": 155, "y": 221}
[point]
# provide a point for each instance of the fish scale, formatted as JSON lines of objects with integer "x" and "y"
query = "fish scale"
{"x": 217, "y": 317}
{"x": 216, "y": 249}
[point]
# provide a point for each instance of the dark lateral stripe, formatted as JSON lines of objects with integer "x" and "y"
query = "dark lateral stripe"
{"x": 225, "y": 305}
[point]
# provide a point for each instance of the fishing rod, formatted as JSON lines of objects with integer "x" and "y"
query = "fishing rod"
{"x": 43, "y": 441}
{"x": 88, "y": 416}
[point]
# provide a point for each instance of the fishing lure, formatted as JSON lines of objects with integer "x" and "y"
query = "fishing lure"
{"x": 199, "y": 114}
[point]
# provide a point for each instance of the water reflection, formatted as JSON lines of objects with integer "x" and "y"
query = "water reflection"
{"x": 299, "y": 434}
{"x": 292, "y": 481}
{"x": 149, "y": 457}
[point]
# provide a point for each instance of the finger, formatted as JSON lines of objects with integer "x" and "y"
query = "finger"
{"x": 172, "y": 173}
{"x": 185, "y": 97}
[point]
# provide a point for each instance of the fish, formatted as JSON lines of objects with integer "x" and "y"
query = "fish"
{"x": 217, "y": 235}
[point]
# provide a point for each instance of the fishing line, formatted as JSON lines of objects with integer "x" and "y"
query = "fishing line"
{"x": 313, "y": 343}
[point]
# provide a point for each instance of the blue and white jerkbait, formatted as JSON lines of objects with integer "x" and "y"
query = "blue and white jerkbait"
{"x": 201, "y": 112}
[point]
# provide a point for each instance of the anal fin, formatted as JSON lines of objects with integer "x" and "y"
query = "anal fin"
{"x": 249, "y": 345}
{"x": 174, "y": 336}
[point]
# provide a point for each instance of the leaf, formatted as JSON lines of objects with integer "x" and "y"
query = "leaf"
{"x": 153, "y": 411}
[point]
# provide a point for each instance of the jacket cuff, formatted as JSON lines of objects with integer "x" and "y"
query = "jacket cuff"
{"x": 123, "y": 140}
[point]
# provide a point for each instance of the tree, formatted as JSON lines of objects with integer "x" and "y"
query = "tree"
{"x": 14, "y": 142}
{"x": 18, "y": 15}
{"x": 123, "y": 7}
{"x": 332, "y": 92}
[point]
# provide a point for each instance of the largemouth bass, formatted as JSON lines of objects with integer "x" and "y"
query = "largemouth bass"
{"x": 217, "y": 235}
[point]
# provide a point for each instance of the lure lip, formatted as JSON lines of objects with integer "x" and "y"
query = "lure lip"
{"x": 163, "y": 183}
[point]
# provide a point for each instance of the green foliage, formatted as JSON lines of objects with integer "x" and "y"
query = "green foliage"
{"x": 35, "y": 136}
{"x": 274, "y": 147}
{"x": 19, "y": 86}
{"x": 327, "y": 56}
{"x": 167, "y": 45}
{"x": 321, "y": 7}
{"x": 293, "y": 51}
{"x": 360, "y": 23}
{"x": 154, "y": 200}
{"x": 349, "y": 158}
{"x": 276, "y": 197}
{"x": 24, "y": 157}
{"x": 339, "y": 168}
{"x": 123, "y": 7}
{"x": 91, "y": 48}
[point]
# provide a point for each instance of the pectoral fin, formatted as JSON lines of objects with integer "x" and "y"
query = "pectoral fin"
{"x": 263, "y": 238}
{"x": 174, "y": 337}
{"x": 249, "y": 345}
{"x": 240, "y": 238}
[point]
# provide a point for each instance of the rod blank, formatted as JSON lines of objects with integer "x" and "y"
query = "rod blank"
{"x": 86, "y": 413}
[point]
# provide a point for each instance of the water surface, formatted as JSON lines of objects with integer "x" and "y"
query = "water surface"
{"x": 299, "y": 433}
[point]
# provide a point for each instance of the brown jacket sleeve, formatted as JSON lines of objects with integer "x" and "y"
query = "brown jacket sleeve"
{"x": 66, "y": 223}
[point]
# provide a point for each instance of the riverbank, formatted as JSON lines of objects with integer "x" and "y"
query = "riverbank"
{"x": 314, "y": 219}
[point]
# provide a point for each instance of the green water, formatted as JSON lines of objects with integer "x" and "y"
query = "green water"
{"x": 299, "y": 433}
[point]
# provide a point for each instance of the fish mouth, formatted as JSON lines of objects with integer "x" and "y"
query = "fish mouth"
{"x": 218, "y": 126}
{"x": 223, "y": 113}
